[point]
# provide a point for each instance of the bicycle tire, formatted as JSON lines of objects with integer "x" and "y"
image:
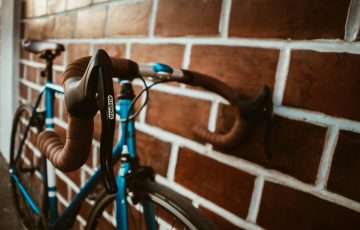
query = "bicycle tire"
{"x": 163, "y": 197}
{"x": 30, "y": 169}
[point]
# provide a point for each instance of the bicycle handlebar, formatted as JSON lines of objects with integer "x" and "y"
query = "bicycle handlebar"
{"x": 85, "y": 95}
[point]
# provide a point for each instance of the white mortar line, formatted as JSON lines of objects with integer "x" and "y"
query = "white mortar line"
{"x": 323, "y": 45}
{"x": 62, "y": 199}
{"x": 67, "y": 180}
{"x": 317, "y": 118}
{"x": 213, "y": 115}
{"x": 170, "y": 137}
{"x": 31, "y": 85}
{"x": 187, "y": 56}
{"x": 60, "y": 123}
{"x": 41, "y": 65}
{"x": 69, "y": 193}
{"x": 255, "y": 199}
{"x": 106, "y": 21}
{"x": 172, "y": 161}
{"x": 326, "y": 159}
{"x": 91, "y": 6}
{"x": 25, "y": 70}
{"x": 281, "y": 76}
{"x": 282, "y": 178}
{"x": 225, "y": 18}
{"x": 206, "y": 203}
{"x": 152, "y": 20}
{"x": 128, "y": 50}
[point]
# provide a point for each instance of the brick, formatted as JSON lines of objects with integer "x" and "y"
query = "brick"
{"x": 76, "y": 51}
{"x": 288, "y": 19}
{"x": 65, "y": 25}
{"x": 23, "y": 91}
{"x": 59, "y": 60}
{"x": 170, "y": 54}
{"x": 294, "y": 153}
{"x": 246, "y": 69}
{"x": 55, "y": 6}
{"x": 31, "y": 74}
{"x": 57, "y": 77}
{"x": 324, "y": 82}
{"x": 153, "y": 152}
{"x": 40, "y": 7}
{"x": 74, "y": 176}
{"x": 56, "y": 108}
{"x": 286, "y": 208}
{"x": 41, "y": 28}
{"x": 166, "y": 110}
{"x": 345, "y": 172}
{"x": 61, "y": 187}
{"x": 90, "y": 23}
{"x": 77, "y": 4}
{"x": 215, "y": 181}
{"x": 218, "y": 221}
{"x": 34, "y": 95}
{"x": 21, "y": 70}
{"x": 28, "y": 8}
{"x": 129, "y": 19}
{"x": 114, "y": 50}
{"x": 23, "y": 53}
{"x": 190, "y": 20}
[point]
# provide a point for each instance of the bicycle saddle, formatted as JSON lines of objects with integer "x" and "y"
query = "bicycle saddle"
{"x": 40, "y": 47}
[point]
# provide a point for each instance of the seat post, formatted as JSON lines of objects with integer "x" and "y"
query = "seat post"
{"x": 48, "y": 72}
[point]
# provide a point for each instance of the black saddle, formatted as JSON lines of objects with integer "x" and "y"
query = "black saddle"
{"x": 43, "y": 47}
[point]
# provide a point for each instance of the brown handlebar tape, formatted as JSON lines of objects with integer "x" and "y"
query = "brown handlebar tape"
{"x": 73, "y": 154}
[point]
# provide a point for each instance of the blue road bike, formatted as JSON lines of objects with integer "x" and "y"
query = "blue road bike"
{"x": 133, "y": 195}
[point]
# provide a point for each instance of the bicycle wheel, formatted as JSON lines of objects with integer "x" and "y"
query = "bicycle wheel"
{"x": 29, "y": 166}
{"x": 172, "y": 211}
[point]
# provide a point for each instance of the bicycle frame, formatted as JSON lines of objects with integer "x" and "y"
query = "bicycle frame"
{"x": 68, "y": 216}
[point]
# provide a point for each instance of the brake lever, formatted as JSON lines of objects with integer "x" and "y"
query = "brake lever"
{"x": 107, "y": 111}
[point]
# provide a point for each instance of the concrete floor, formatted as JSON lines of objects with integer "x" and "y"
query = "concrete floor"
{"x": 8, "y": 217}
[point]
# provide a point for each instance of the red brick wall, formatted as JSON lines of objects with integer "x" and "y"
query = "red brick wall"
{"x": 295, "y": 47}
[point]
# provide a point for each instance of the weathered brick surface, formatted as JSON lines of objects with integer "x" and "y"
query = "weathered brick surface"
{"x": 185, "y": 112}
{"x": 246, "y": 69}
{"x": 288, "y": 19}
{"x": 324, "y": 82}
{"x": 55, "y": 6}
{"x": 153, "y": 152}
{"x": 76, "y": 51}
{"x": 295, "y": 153}
{"x": 190, "y": 20}
{"x": 170, "y": 54}
{"x": 41, "y": 28}
{"x": 286, "y": 208}
{"x": 95, "y": 18}
{"x": 215, "y": 181}
{"x": 114, "y": 50}
{"x": 40, "y": 7}
{"x": 133, "y": 19}
{"x": 345, "y": 172}
{"x": 65, "y": 25}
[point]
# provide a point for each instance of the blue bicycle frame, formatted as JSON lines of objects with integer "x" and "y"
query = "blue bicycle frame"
{"x": 68, "y": 216}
